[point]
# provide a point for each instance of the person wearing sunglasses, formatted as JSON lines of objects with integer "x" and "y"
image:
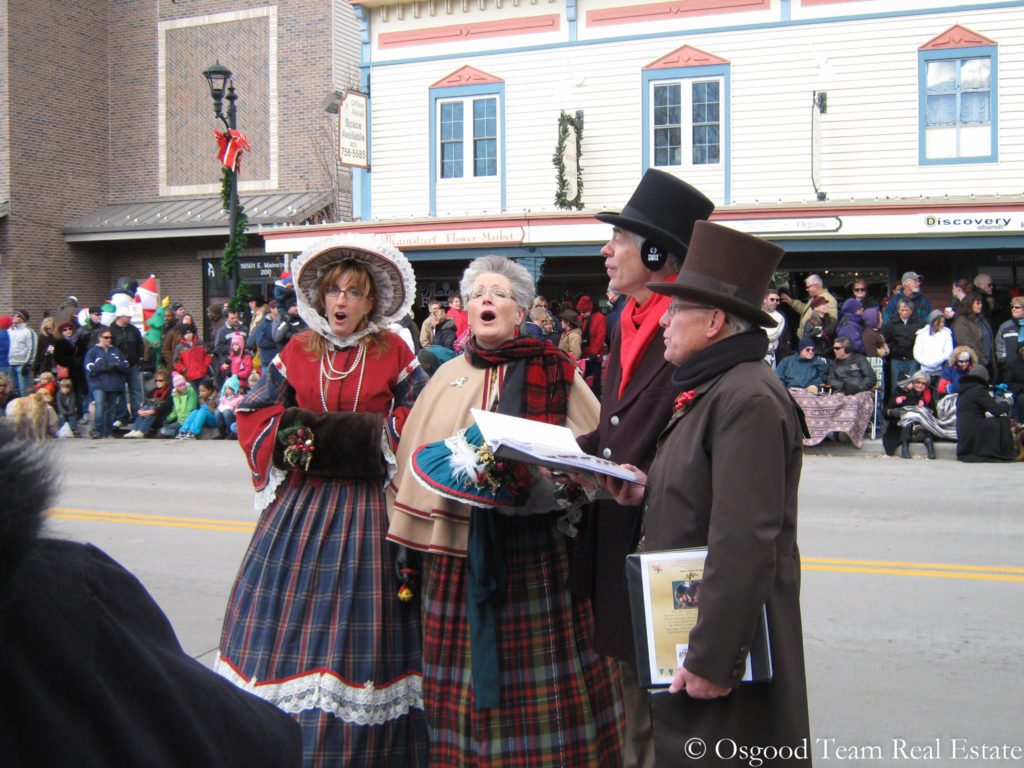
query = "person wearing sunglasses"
{"x": 106, "y": 370}
{"x": 777, "y": 336}
{"x": 960, "y": 362}
{"x": 850, "y": 372}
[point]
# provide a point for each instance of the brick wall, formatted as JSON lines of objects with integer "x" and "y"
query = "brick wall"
{"x": 82, "y": 99}
{"x": 58, "y": 128}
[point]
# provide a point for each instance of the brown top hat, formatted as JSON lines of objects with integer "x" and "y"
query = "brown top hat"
{"x": 728, "y": 269}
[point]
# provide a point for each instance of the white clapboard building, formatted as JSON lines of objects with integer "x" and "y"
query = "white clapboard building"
{"x": 867, "y": 137}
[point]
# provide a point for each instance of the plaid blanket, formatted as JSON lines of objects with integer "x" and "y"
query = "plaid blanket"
{"x": 849, "y": 414}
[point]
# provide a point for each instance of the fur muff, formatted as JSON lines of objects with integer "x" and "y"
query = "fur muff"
{"x": 27, "y": 477}
{"x": 347, "y": 446}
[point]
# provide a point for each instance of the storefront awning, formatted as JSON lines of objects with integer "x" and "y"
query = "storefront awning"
{"x": 192, "y": 217}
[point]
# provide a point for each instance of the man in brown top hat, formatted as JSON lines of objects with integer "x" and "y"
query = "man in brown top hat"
{"x": 726, "y": 476}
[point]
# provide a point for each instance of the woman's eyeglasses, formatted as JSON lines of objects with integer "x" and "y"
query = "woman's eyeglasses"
{"x": 353, "y": 294}
{"x": 496, "y": 292}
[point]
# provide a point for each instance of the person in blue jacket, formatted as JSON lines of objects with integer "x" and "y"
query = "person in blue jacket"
{"x": 804, "y": 369}
{"x": 105, "y": 371}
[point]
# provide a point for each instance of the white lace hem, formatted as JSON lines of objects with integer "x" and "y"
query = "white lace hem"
{"x": 264, "y": 497}
{"x": 364, "y": 704}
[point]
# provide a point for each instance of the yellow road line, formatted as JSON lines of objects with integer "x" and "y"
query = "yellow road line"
{"x": 932, "y": 570}
{"x": 835, "y": 565}
{"x": 158, "y": 520}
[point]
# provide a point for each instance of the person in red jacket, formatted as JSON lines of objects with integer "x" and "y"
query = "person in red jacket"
{"x": 594, "y": 335}
{"x": 192, "y": 360}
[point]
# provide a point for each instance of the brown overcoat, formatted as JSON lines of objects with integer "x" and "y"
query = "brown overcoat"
{"x": 726, "y": 476}
{"x": 626, "y": 433}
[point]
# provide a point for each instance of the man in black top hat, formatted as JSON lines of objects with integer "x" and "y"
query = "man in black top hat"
{"x": 725, "y": 477}
{"x": 648, "y": 242}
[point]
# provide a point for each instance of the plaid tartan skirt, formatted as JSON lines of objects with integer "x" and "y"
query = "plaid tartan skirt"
{"x": 560, "y": 702}
{"x": 314, "y": 626}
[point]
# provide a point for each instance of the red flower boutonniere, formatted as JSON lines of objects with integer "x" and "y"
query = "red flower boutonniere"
{"x": 683, "y": 401}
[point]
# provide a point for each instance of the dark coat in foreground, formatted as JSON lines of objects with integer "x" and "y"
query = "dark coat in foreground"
{"x": 92, "y": 673}
{"x": 726, "y": 476}
{"x": 628, "y": 430}
{"x": 978, "y": 437}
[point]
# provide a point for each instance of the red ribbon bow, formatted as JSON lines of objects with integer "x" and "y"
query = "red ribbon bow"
{"x": 230, "y": 147}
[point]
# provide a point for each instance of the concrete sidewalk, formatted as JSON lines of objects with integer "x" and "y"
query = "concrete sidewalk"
{"x": 944, "y": 449}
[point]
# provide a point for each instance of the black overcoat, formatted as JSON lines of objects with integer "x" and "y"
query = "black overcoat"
{"x": 978, "y": 437}
{"x": 626, "y": 433}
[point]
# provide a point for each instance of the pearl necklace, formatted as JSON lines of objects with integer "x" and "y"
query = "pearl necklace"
{"x": 329, "y": 373}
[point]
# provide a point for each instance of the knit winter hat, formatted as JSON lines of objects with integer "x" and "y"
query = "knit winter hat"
{"x": 806, "y": 342}
{"x": 178, "y": 380}
{"x": 5, "y": 322}
{"x": 818, "y": 301}
{"x": 22, "y": 314}
{"x": 585, "y": 304}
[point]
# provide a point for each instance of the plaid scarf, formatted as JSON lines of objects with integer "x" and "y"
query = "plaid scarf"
{"x": 536, "y": 387}
{"x": 537, "y": 381}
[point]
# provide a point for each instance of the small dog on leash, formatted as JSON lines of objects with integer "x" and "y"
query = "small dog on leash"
{"x": 31, "y": 417}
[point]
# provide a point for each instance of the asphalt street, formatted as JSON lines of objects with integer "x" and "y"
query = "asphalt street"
{"x": 913, "y": 582}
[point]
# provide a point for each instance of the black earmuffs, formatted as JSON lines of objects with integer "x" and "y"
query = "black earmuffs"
{"x": 653, "y": 255}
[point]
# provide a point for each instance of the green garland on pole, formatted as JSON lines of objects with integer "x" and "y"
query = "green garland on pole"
{"x": 562, "y": 199}
{"x": 236, "y": 240}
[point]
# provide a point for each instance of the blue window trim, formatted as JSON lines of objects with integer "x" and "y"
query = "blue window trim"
{"x": 947, "y": 54}
{"x": 460, "y": 92}
{"x": 690, "y": 73}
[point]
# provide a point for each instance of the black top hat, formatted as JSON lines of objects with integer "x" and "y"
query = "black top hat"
{"x": 663, "y": 209}
{"x": 730, "y": 270}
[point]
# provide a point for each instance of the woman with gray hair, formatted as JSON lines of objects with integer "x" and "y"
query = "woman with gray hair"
{"x": 503, "y": 634}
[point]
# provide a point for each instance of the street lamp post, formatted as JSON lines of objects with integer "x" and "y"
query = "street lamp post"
{"x": 218, "y": 76}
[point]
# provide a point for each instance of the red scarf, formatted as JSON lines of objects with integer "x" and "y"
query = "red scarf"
{"x": 639, "y": 327}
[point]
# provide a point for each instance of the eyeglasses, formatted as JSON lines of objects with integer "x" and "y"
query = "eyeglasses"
{"x": 673, "y": 308}
{"x": 495, "y": 292}
{"x": 773, "y": 300}
{"x": 860, "y": 290}
{"x": 839, "y": 347}
{"x": 964, "y": 362}
{"x": 353, "y": 294}
{"x": 106, "y": 337}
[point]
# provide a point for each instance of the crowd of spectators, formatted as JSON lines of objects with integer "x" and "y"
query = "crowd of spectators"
{"x": 106, "y": 379}
{"x": 923, "y": 353}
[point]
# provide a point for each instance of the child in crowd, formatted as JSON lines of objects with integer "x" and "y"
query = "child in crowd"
{"x": 204, "y": 415}
{"x": 239, "y": 361}
{"x": 254, "y": 379}
{"x": 183, "y": 401}
{"x": 154, "y": 408}
{"x": 47, "y": 381}
{"x": 230, "y": 397}
{"x": 65, "y": 405}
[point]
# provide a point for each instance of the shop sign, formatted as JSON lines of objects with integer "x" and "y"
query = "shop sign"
{"x": 353, "y": 133}
{"x": 787, "y": 226}
{"x": 257, "y": 269}
{"x": 973, "y": 221}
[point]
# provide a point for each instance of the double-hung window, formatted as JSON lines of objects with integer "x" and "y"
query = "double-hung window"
{"x": 958, "y": 105}
{"x": 686, "y": 120}
{"x": 467, "y": 143}
{"x": 468, "y": 129}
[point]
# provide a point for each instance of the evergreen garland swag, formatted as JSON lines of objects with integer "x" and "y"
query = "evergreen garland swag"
{"x": 561, "y": 195}
{"x": 236, "y": 239}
